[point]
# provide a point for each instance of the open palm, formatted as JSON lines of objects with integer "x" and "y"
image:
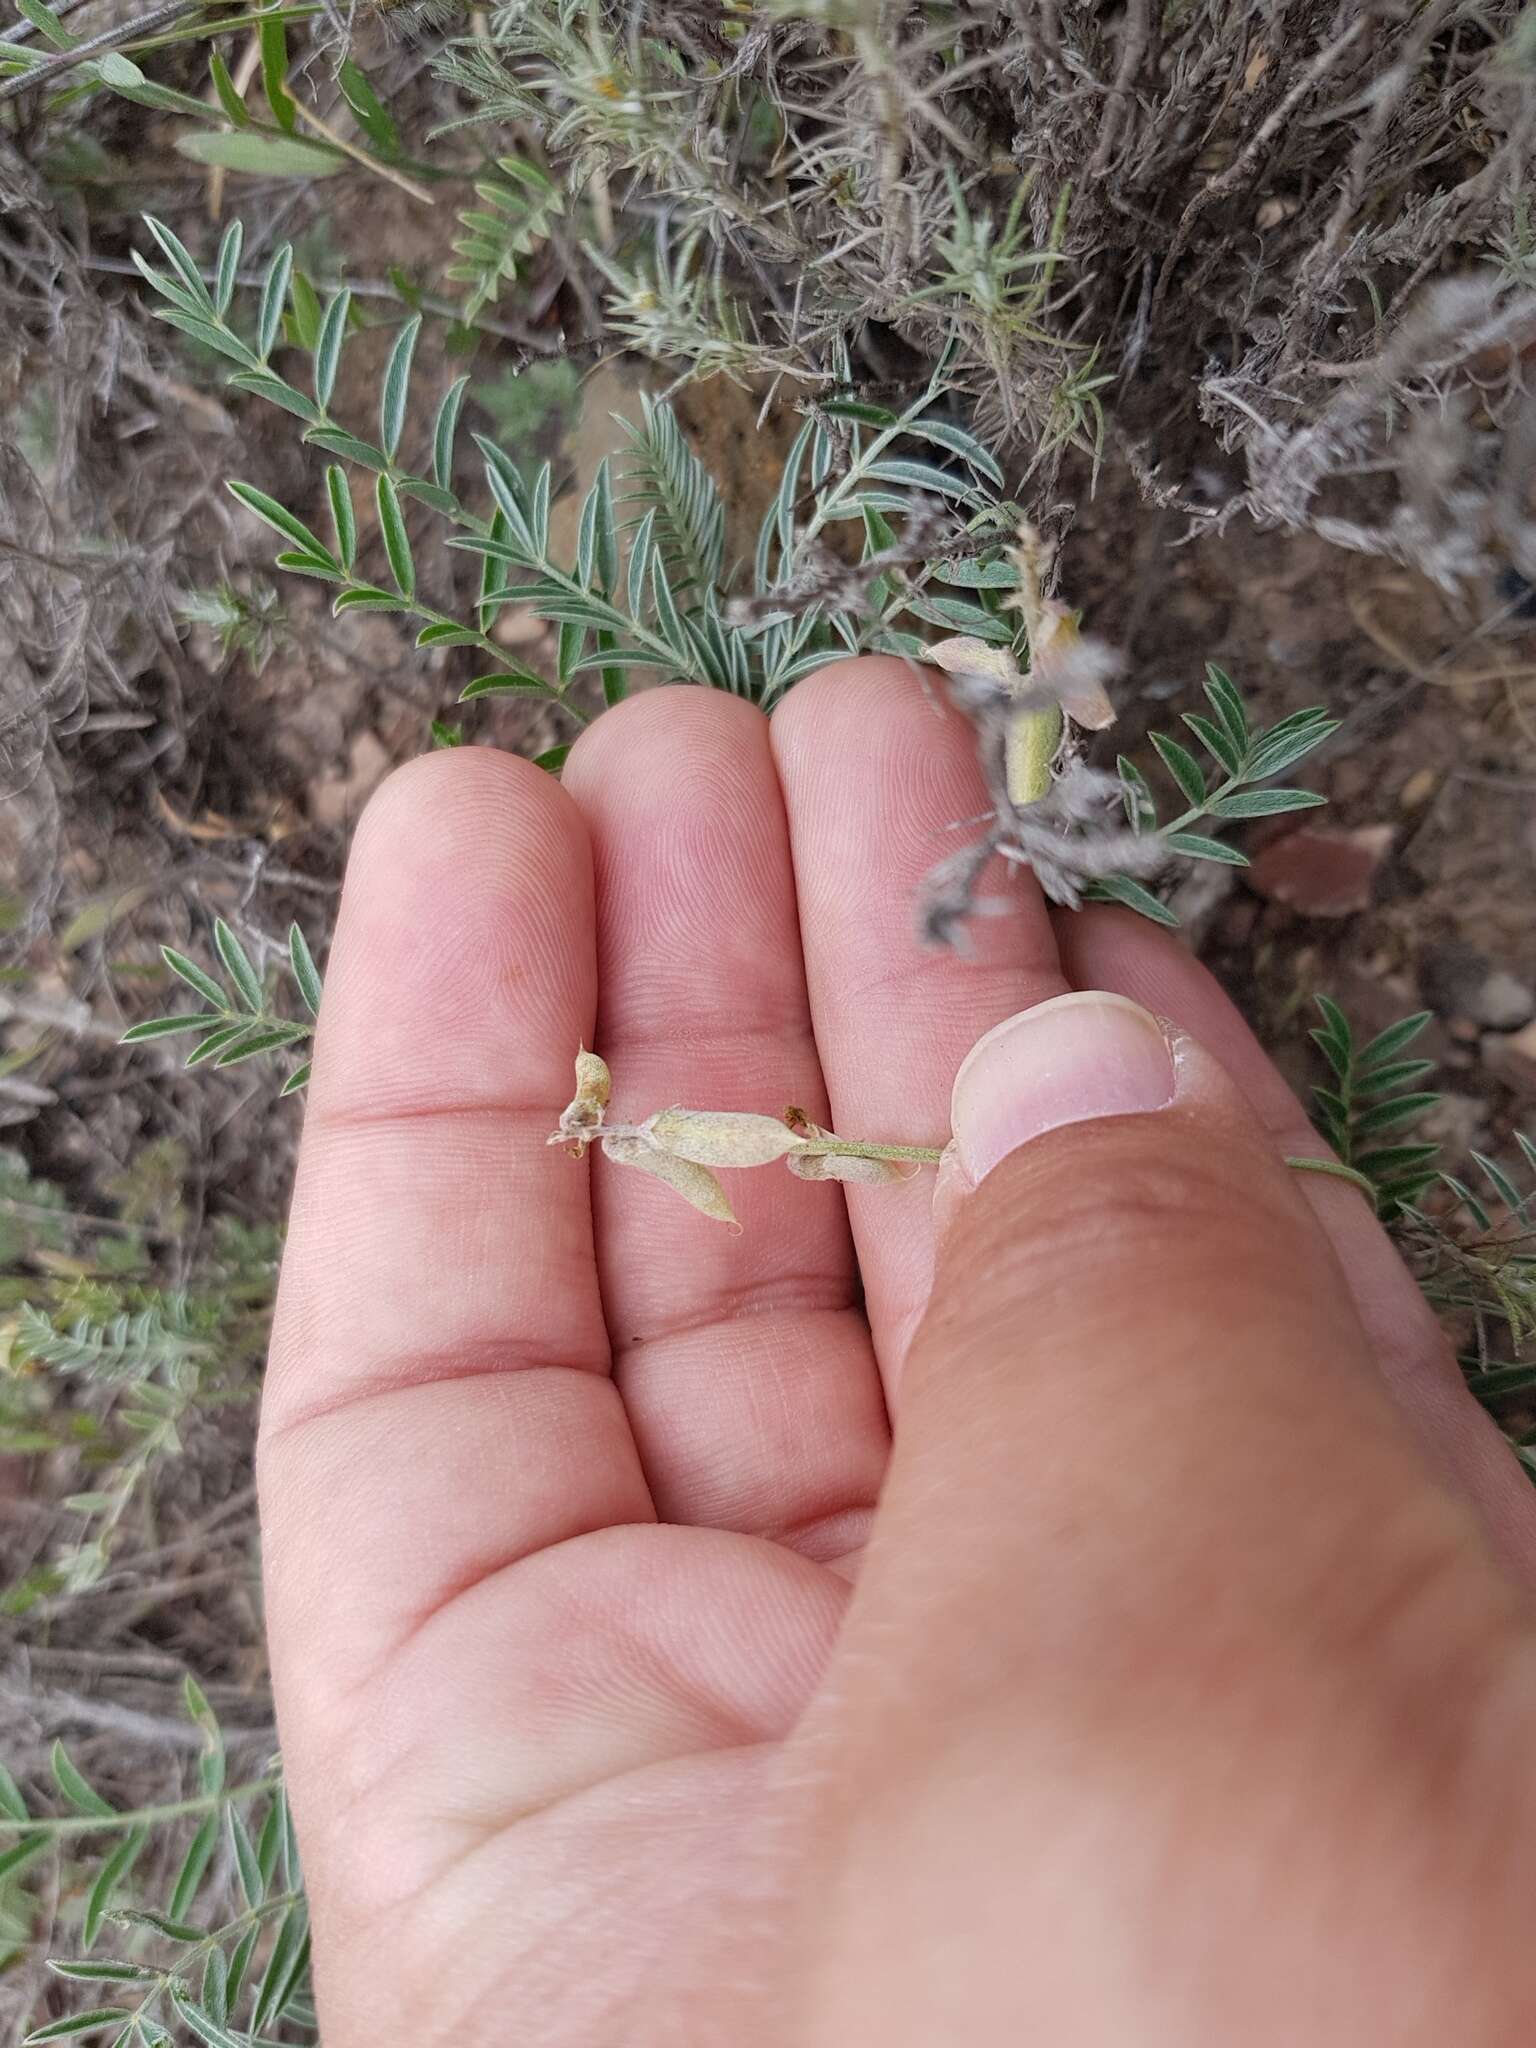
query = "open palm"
{"x": 564, "y": 1485}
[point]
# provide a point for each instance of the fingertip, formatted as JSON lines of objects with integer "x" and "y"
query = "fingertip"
{"x": 455, "y": 844}
{"x": 436, "y": 783}
{"x": 883, "y": 781}
{"x": 860, "y": 701}
{"x": 1070, "y": 1059}
{"x": 467, "y": 904}
{"x": 1108, "y": 947}
{"x": 458, "y": 808}
{"x": 696, "y": 905}
{"x": 651, "y": 745}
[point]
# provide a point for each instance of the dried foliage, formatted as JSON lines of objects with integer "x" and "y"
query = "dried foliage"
{"x": 1120, "y": 219}
{"x": 1053, "y": 813}
{"x": 79, "y": 597}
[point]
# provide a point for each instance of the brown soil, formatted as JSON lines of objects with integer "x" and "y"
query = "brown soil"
{"x": 1437, "y": 746}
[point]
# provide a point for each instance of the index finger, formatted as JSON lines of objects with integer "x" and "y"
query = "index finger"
{"x": 438, "y": 1401}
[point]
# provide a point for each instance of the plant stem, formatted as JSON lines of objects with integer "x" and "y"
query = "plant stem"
{"x": 851, "y": 1148}
{"x": 832, "y": 500}
{"x": 176, "y": 1977}
{"x": 623, "y": 623}
{"x": 360, "y": 156}
{"x": 173, "y": 1809}
{"x": 108, "y": 40}
{"x": 1198, "y": 811}
{"x": 488, "y": 646}
{"x": 1336, "y": 1171}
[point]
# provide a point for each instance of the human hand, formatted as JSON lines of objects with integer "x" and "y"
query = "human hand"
{"x": 1181, "y": 1688}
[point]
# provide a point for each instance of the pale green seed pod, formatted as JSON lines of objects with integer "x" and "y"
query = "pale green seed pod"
{"x": 870, "y": 1173}
{"x": 1033, "y": 736}
{"x": 696, "y": 1184}
{"x": 721, "y": 1137}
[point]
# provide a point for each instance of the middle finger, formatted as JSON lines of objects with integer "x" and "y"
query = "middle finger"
{"x": 743, "y": 1359}
{"x": 876, "y": 772}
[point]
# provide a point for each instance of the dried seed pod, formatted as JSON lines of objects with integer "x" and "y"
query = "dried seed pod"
{"x": 870, "y": 1173}
{"x": 696, "y": 1184}
{"x": 594, "y": 1083}
{"x": 1075, "y": 669}
{"x": 582, "y": 1117}
{"x": 964, "y": 656}
{"x": 721, "y": 1137}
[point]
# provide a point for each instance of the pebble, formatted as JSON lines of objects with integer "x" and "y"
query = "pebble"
{"x": 1512, "y": 1057}
{"x": 1321, "y": 872}
{"x": 1457, "y": 979}
{"x": 1503, "y": 1002}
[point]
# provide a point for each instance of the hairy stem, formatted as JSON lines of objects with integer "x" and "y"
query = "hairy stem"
{"x": 141, "y": 1816}
{"x": 1335, "y": 1171}
{"x": 852, "y": 1148}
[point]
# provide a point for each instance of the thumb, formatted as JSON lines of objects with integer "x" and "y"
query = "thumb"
{"x": 1141, "y": 1397}
{"x": 1167, "y": 1653}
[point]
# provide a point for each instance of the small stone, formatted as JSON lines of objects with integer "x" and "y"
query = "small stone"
{"x": 1513, "y": 1059}
{"x": 1321, "y": 872}
{"x": 1418, "y": 789}
{"x": 1272, "y": 212}
{"x": 1456, "y": 1122}
{"x": 1503, "y": 1002}
{"x": 1459, "y": 981}
{"x": 1235, "y": 925}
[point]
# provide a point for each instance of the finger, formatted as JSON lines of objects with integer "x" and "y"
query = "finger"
{"x": 743, "y": 1358}
{"x": 1158, "y": 1568}
{"x": 438, "y": 1401}
{"x": 1114, "y": 949}
{"x": 1130, "y": 1254}
{"x": 876, "y": 771}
